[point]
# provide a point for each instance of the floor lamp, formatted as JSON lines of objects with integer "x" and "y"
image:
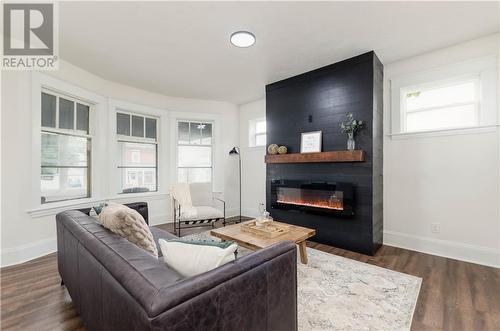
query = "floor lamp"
{"x": 236, "y": 151}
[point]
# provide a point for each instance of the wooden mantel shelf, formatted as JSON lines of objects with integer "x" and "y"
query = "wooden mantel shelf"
{"x": 335, "y": 156}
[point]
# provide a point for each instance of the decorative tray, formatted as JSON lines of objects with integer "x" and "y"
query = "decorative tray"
{"x": 268, "y": 230}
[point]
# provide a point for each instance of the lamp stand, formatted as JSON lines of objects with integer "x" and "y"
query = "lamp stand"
{"x": 239, "y": 175}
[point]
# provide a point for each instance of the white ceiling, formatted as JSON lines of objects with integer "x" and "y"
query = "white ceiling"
{"x": 183, "y": 49}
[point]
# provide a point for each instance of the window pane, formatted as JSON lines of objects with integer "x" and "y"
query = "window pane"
{"x": 137, "y": 126}
{"x": 260, "y": 127}
{"x": 82, "y": 117}
{"x": 182, "y": 175}
{"x": 183, "y": 132}
{"x": 450, "y": 117}
{"x": 199, "y": 175}
{"x": 134, "y": 180}
{"x": 195, "y": 156}
{"x": 151, "y": 128}
{"x": 137, "y": 154}
{"x": 442, "y": 96}
{"x": 66, "y": 114}
{"x": 48, "y": 110}
{"x": 149, "y": 177}
{"x": 63, "y": 150}
{"x": 206, "y": 134}
{"x": 195, "y": 137}
{"x": 260, "y": 140}
{"x": 123, "y": 124}
{"x": 63, "y": 184}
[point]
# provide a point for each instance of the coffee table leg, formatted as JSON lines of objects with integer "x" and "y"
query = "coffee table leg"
{"x": 303, "y": 252}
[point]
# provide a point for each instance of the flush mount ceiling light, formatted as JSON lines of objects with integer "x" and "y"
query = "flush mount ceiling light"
{"x": 242, "y": 39}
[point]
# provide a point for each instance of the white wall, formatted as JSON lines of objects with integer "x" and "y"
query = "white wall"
{"x": 452, "y": 180}
{"x": 28, "y": 230}
{"x": 252, "y": 159}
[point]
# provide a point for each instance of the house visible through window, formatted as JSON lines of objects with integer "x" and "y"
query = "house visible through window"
{"x": 194, "y": 152}
{"x": 257, "y": 132}
{"x": 438, "y": 106}
{"x": 137, "y": 149}
{"x": 65, "y": 148}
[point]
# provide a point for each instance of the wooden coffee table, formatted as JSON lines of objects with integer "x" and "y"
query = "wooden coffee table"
{"x": 251, "y": 241}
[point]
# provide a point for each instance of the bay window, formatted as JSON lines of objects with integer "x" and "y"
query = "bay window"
{"x": 65, "y": 148}
{"x": 194, "y": 151}
{"x": 137, "y": 152}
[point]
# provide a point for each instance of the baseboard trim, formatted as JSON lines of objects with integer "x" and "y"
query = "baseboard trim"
{"x": 26, "y": 252}
{"x": 449, "y": 249}
{"x": 250, "y": 212}
{"x": 160, "y": 219}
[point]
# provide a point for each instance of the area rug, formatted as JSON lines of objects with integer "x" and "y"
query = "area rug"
{"x": 337, "y": 293}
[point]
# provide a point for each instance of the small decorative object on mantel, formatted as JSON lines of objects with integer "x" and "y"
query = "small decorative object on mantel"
{"x": 282, "y": 150}
{"x": 272, "y": 149}
{"x": 310, "y": 142}
{"x": 351, "y": 127}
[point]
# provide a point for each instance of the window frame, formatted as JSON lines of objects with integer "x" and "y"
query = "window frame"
{"x": 120, "y": 138}
{"x": 483, "y": 69}
{"x": 253, "y": 134}
{"x": 453, "y": 81}
{"x": 67, "y": 132}
{"x": 212, "y": 146}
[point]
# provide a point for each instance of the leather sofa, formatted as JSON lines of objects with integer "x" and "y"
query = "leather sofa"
{"x": 116, "y": 285}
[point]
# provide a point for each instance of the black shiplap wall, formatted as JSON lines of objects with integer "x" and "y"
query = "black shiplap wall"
{"x": 327, "y": 94}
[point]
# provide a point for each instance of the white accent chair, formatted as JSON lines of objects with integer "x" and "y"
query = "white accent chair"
{"x": 193, "y": 206}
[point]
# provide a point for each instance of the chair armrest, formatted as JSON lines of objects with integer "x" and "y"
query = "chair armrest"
{"x": 177, "y": 206}
{"x": 223, "y": 204}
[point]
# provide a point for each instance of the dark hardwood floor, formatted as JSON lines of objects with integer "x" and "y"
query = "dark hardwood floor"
{"x": 454, "y": 296}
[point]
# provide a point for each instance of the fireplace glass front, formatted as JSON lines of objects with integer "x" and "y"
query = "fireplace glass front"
{"x": 322, "y": 197}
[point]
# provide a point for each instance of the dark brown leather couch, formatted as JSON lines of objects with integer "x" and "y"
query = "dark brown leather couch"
{"x": 116, "y": 285}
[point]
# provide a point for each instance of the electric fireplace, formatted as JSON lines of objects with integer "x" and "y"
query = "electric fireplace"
{"x": 316, "y": 197}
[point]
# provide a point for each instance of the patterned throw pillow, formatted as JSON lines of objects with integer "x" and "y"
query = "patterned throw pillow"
{"x": 129, "y": 224}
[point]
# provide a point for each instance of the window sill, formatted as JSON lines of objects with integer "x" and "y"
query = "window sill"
{"x": 445, "y": 132}
{"x": 53, "y": 208}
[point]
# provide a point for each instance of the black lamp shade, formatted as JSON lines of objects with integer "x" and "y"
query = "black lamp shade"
{"x": 234, "y": 151}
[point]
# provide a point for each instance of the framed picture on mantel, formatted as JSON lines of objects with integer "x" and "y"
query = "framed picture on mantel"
{"x": 310, "y": 142}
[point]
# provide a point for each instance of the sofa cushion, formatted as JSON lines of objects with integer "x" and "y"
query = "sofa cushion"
{"x": 194, "y": 257}
{"x": 200, "y": 213}
{"x": 129, "y": 224}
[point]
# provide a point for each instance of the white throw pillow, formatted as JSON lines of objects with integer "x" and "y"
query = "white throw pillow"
{"x": 191, "y": 258}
